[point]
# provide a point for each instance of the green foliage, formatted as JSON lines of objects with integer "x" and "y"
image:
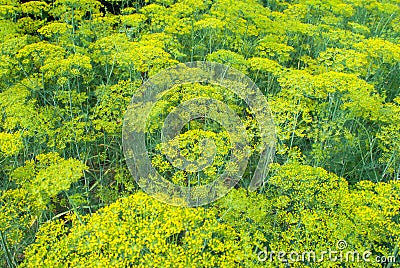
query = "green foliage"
{"x": 68, "y": 68}
{"x": 138, "y": 231}
{"x": 26, "y": 206}
{"x": 306, "y": 209}
{"x": 302, "y": 209}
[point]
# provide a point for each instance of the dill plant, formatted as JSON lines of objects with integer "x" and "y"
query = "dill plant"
{"x": 329, "y": 69}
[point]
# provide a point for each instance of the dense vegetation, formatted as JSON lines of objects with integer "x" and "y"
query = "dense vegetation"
{"x": 329, "y": 69}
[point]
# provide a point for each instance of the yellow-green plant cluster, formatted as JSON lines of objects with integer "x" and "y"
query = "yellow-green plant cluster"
{"x": 307, "y": 214}
{"x": 330, "y": 71}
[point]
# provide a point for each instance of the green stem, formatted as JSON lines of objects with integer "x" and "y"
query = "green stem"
{"x": 9, "y": 258}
